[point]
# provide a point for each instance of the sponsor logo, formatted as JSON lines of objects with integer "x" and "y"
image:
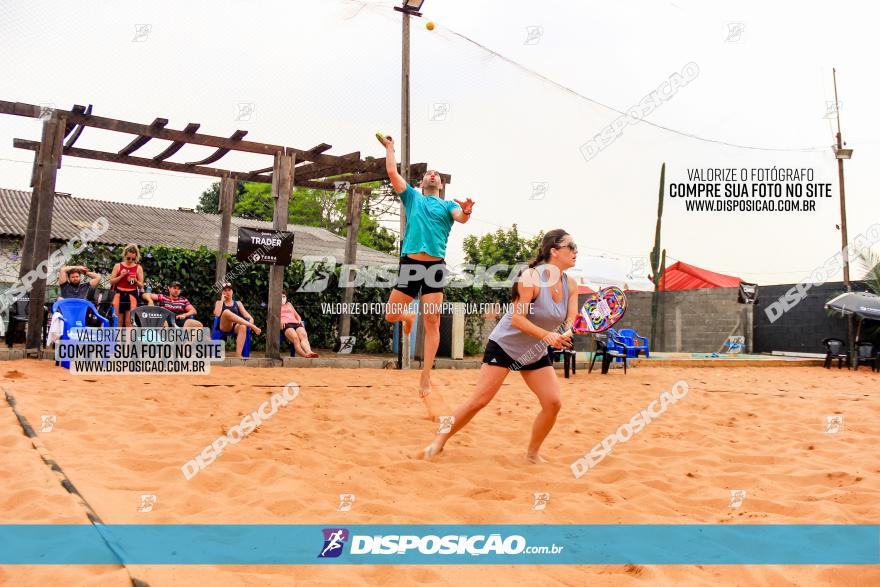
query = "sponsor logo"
{"x": 334, "y": 542}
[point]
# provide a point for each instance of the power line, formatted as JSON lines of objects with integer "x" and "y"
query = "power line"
{"x": 577, "y": 94}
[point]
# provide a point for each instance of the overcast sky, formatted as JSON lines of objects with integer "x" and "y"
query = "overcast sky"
{"x": 329, "y": 71}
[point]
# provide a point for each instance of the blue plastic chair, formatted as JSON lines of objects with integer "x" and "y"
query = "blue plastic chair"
{"x": 635, "y": 342}
{"x": 615, "y": 343}
{"x": 73, "y": 312}
{"x": 217, "y": 335}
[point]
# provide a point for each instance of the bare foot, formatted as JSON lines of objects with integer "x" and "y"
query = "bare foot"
{"x": 408, "y": 320}
{"x": 536, "y": 459}
{"x": 430, "y": 451}
{"x": 425, "y": 384}
{"x": 312, "y": 355}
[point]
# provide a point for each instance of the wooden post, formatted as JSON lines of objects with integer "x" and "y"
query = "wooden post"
{"x": 353, "y": 221}
{"x": 282, "y": 185}
{"x": 27, "y": 246}
{"x": 227, "y": 203}
{"x": 44, "y": 199}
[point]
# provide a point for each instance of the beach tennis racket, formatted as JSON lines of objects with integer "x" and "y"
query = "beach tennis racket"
{"x": 381, "y": 138}
{"x": 600, "y": 311}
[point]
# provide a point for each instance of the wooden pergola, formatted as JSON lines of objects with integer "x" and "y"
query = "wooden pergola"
{"x": 291, "y": 167}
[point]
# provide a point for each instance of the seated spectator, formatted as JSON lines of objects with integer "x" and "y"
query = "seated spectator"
{"x": 125, "y": 279}
{"x": 183, "y": 310}
{"x": 294, "y": 331}
{"x": 234, "y": 318}
{"x": 72, "y": 285}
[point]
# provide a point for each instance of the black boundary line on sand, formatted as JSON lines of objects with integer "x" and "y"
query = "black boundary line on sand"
{"x": 67, "y": 484}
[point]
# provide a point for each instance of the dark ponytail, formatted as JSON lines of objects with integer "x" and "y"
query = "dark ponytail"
{"x": 550, "y": 241}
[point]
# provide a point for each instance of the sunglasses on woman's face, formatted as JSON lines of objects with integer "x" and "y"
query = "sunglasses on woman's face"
{"x": 130, "y": 258}
{"x": 572, "y": 246}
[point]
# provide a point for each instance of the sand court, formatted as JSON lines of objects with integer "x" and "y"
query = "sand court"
{"x": 357, "y": 433}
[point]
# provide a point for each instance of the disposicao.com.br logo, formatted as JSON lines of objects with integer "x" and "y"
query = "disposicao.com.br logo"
{"x": 334, "y": 541}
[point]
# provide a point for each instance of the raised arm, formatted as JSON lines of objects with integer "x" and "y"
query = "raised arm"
{"x": 463, "y": 214}
{"x": 397, "y": 181}
{"x": 94, "y": 278}
{"x": 115, "y": 274}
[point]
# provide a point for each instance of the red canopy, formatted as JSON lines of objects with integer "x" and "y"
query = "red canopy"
{"x": 683, "y": 276}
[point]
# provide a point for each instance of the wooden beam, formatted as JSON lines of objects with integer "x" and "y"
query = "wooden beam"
{"x": 79, "y": 129}
{"x": 174, "y": 135}
{"x": 142, "y": 140}
{"x": 323, "y": 147}
{"x": 174, "y": 147}
{"x": 76, "y": 108}
{"x": 313, "y": 170}
{"x": 417, "y": 170}
{"x": 219, "y": 153}
{"x": 143, "y": 162}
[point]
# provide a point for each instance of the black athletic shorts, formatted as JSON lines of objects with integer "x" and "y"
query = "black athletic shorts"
{"x": 425, "y": 277}
{"x": 496, "y": 356}
{"x": 293, "y": 325}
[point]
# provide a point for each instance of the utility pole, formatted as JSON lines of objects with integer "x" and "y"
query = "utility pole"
{"x": 405, "y": 361}
{"x": 840, "y": 153}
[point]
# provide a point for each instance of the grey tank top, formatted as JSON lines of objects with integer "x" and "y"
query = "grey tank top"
{"x": 546, "y": 313}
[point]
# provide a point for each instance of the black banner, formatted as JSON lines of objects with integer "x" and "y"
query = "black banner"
{"x": 748, "y": 293}
{"x": 264, "y": 247}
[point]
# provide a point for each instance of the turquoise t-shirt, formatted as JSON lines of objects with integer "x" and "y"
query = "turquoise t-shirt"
{"x": 428, "y": 222}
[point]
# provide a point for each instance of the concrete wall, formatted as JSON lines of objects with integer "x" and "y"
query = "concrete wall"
{"x": 803, "y": 327}
{"x": 692, "y": 321}
{"x": 698, "y": 320}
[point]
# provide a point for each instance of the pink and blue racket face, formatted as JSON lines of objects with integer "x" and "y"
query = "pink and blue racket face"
{"x": 600, "y": 311}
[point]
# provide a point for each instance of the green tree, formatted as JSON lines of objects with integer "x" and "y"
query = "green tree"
{"x": 307, "y": 207}
{"x": 869, "y": 259}
{"x": 501, "y": 246}
{"x": 209, "y": 201}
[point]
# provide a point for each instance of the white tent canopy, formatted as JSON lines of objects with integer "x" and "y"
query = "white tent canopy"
{"x": 627, "y": 273}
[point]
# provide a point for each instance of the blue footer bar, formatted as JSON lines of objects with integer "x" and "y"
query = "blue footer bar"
{"x": 252, "y": 544}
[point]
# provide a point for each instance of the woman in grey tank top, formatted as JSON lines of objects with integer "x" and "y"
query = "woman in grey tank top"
{"x": 545, "y": 305}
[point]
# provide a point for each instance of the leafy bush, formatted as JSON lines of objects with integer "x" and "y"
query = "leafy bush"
{"x": 472, "y": 347}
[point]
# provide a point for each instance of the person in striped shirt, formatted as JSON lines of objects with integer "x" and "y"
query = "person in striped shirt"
{"x": 184, "y": 311}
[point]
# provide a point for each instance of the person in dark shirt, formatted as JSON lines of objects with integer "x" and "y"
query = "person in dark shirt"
{"x": 184, "y": 311}
{"x": 72, "y": 285}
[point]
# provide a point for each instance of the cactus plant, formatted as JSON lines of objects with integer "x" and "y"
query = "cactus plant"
{"x": 658, "y": 260}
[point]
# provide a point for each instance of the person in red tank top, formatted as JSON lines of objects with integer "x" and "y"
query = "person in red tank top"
{"x": 126, "y": 278}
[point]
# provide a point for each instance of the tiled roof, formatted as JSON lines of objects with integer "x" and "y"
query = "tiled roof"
{"x": 149, "y": 225}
